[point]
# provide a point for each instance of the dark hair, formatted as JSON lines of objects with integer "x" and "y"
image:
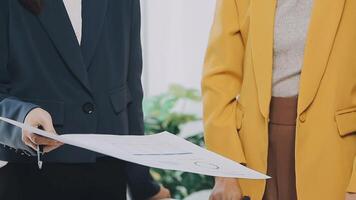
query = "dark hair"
{"x": 35, "y": 6}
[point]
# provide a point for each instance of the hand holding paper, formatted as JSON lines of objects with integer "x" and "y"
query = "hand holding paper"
{"x": 163, "y": 150}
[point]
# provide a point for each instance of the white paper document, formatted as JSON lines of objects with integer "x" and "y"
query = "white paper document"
{"x": 163, "y": 150}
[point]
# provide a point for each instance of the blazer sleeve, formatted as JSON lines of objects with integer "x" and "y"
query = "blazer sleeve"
{"x": 141, "y": 184}
{"x": 221, "y": 83}
{"x": 135, "y": 113}
{"x": 10, "y": 107}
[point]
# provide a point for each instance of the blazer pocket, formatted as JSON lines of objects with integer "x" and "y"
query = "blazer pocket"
{"x": 120, "y": 97}
{"x": 54, "y": 108}
{"x": 239, "y": 117}
{"x": 346, "y": 121}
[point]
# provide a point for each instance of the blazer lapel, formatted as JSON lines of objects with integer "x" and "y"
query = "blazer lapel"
{"x": 262, "y": 30}
{"x": 56, "y": 22}
{"x": 322, "y": 31}
{"x": 93, "y": 20}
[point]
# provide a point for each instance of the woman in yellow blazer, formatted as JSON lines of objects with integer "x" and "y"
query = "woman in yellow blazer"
{"x": 237, "y": 94}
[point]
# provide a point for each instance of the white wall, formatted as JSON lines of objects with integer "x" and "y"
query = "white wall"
{"x": 175, "y": 36}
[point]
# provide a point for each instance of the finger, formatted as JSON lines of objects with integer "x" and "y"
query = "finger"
{"x": 29, "y": 143}
{"x": 168, "y": 194}
{"x": 47, "y": 125}
{"x": 213, "y": 196}
{"x": 39, "y": 140}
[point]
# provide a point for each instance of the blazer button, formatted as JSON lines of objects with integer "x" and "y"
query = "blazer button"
{"x": 88, "y": 108}
{"x": 302, "y": 118}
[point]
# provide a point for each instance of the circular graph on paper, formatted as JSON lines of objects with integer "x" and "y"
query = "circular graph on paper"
{"x": 206, "y": 165}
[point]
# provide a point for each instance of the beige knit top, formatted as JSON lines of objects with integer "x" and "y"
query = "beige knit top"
{"x": 290, "y": 32}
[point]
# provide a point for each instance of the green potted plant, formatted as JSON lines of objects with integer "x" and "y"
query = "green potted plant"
{"x": 160, "y": 115}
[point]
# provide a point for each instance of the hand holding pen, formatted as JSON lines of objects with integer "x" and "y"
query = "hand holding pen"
{"x": 42, "y": 119}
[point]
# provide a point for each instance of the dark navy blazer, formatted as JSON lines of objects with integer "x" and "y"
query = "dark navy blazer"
{"x": 91, "y": 88}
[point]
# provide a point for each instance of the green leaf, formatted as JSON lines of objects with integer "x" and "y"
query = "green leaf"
{"x": 160, "y": 117}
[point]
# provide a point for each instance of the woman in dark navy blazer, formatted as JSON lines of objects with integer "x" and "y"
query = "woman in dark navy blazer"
{"x": 48, "y": 80}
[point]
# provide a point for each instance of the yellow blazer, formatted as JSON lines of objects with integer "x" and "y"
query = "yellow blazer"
{"x": 236, "y": 89}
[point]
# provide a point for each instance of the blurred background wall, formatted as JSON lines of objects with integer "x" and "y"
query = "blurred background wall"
{"x": 175, "y": 35}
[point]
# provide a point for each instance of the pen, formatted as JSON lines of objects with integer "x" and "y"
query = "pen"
{"x": 39, "y": 154}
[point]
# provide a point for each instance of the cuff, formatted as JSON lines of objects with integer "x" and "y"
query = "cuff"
{"x": 17, "y": 110}
{"x": 140, "y": 182}
{"x": 229, "y": 147}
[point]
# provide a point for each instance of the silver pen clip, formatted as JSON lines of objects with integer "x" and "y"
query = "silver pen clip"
{"x": 39, "y": 161}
